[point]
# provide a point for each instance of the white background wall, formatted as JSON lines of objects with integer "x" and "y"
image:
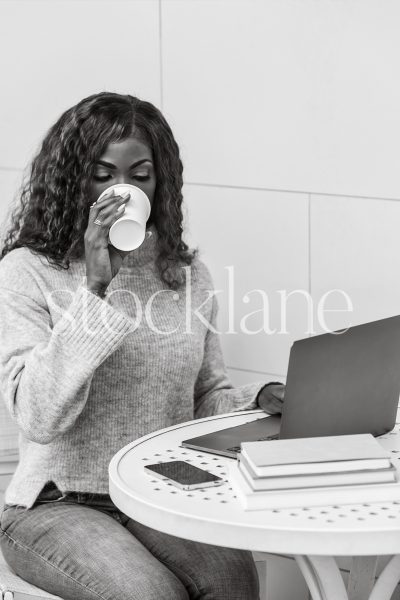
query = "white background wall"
{"x": 287, "y": 113}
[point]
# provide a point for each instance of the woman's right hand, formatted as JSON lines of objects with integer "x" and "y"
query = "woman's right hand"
{"x": 103, "y": 261}
{"x": 271, "y": 397}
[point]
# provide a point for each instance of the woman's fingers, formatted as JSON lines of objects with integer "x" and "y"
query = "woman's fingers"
{"x": 279, "y": 391}
{"x": 108, "y": 210}
{"x": 106, "y": 217}
{"x": 271, "y": 397}
{"x": 108, "y": 200}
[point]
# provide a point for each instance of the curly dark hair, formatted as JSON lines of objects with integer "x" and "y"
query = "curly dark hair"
{"x": 53, "y": 211}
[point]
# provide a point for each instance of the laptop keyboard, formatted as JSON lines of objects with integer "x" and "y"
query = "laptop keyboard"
{"x": 261, "y": 439}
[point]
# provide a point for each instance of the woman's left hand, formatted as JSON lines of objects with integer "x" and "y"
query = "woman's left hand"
{"x": 271, "y": 397}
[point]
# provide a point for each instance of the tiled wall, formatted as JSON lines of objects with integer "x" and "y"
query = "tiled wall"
{"x": 287, "y": 116}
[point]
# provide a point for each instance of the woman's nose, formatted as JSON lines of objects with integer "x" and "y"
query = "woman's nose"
{"x": 122, "y": 179}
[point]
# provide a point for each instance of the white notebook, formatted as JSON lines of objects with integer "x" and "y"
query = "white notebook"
{"x": 320, "y": 479}
{"x": 315, "y": 455}
{"x": 326, "y": 496}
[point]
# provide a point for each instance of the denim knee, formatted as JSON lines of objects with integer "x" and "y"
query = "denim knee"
{"x": 165, "y": 587}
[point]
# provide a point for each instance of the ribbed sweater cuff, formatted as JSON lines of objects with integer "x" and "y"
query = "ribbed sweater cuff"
{"x": 92, "y": 329}
{"x": 249, "y": 395}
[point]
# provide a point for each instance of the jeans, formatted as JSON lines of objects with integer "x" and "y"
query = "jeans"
{"x": 81, "y": 547}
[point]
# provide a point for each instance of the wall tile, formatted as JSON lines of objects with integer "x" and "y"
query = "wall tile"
{"x": 355, "y": 247}
{"x": 241, "y": 377}
{"x": 284, "y": 94}
{"x": 55, "y": 53}
{"x": 253, "y": 240}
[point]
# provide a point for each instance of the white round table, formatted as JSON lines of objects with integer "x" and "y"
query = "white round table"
{"x": 215, "y": 516}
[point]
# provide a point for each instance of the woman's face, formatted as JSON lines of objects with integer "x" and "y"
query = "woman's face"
{"x": 129, "y": 161}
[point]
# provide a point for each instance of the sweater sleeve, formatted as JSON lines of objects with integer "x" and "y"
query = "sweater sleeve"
{"x": 214, "y": 393}
{"x": 45, "y": 372}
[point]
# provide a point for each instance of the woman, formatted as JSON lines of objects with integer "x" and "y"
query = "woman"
{"x": 96, "y": 352}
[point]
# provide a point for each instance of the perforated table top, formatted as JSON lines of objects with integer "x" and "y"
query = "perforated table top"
{"x": 215, "y": 515}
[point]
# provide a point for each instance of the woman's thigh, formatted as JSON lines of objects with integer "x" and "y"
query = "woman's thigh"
{"x": 208, "y": 572}
{"x": 78, "y": 552}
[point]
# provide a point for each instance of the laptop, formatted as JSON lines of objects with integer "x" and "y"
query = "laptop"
{"x": 339, "y": 383}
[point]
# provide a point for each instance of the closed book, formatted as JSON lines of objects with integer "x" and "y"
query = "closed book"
{"x": 319, "y": 480}
{"x": 315, "y": 455}
{"x": 308, "y": 497}
{"x": 342, "y": 466}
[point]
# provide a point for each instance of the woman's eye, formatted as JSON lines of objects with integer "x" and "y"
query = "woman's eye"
{"x": 106, "y": 177}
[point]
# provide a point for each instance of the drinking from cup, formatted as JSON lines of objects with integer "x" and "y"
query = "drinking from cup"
{"x": 128, "y": 232}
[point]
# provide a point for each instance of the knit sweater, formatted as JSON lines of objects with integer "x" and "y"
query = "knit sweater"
{"x": 84, "y": 376}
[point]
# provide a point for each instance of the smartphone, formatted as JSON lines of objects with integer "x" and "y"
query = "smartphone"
{"x": 183, "y": 475}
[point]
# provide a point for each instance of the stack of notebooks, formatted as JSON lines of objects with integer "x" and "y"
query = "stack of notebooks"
{"x": 345, "y": 469}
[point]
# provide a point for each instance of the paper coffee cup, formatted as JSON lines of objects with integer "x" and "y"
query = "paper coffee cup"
{"x": 129, "y": 231}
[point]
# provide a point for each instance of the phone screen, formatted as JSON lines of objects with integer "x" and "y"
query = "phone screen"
{"x": 182, "y": 472}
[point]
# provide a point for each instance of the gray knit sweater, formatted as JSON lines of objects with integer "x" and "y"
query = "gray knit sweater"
{"x": 82, "y": 376}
